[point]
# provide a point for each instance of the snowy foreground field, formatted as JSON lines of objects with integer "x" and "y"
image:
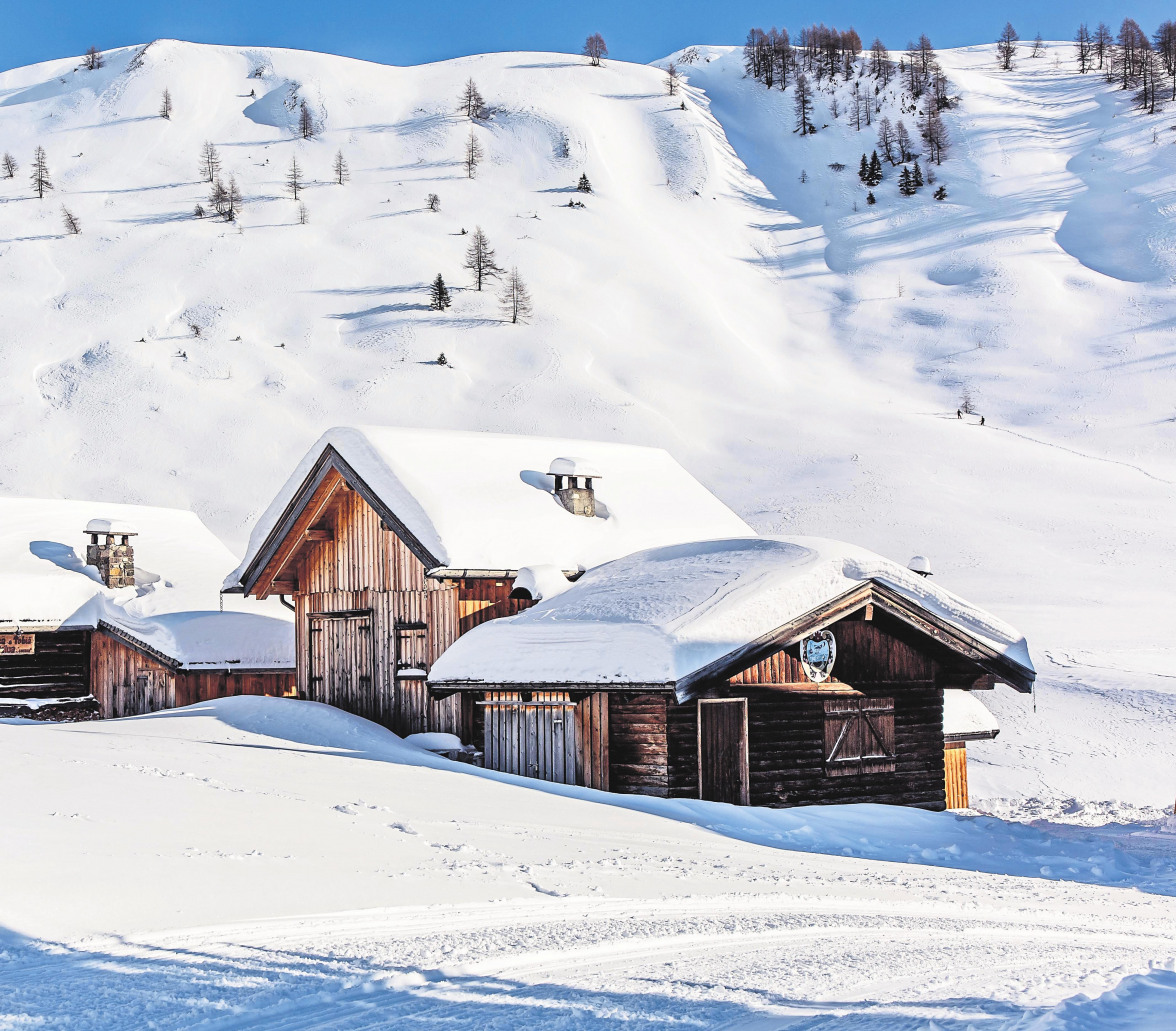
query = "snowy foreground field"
{"x": 264, "y": 863}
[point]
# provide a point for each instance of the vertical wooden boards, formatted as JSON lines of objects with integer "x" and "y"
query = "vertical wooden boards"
{"x": 955, "y": 769}
{"x": 592, "y": 741}
{"x": 341, "y": 661}
{"x": 531, "y": 739}
{"x": 722, "y": 750}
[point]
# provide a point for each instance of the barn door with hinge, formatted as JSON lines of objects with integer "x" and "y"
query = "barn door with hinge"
{"x": 341, "y": 660}
{"x": 859, "y": 736}
{"x": 722, "y": 750}
{"x": 532, "y": 739}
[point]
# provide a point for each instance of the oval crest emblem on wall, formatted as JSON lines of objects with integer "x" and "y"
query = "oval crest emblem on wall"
{"x": 818, "y": 652}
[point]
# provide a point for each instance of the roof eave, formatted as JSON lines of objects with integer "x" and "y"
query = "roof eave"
{"x": 329, "y": 460}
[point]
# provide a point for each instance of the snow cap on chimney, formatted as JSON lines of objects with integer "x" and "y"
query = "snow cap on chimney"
{"x": 573, "y": 484}
{"x": 920, "y": 564}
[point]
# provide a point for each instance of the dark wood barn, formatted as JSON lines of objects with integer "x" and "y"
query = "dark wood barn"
{"x": 753, "y": 724}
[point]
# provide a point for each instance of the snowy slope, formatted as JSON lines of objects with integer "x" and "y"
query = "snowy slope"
{"x": 268, "y": 863}
{"x": 704, "y": 300}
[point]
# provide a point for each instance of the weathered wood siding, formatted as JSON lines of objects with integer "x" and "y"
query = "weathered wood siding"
{"x": 204, "y": 686}
{"x": 58, "y": 668}
{"x": 362, "y": 591}
{"x": 481, "y": 600}
{"x": 592, "y": 741}
{"x": 126, "y": 681}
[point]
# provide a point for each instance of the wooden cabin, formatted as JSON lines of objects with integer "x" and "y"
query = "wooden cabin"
{"x": 756, "y": 671}
{"x": 120, "y": 613}
{"x": 391, "y": 543}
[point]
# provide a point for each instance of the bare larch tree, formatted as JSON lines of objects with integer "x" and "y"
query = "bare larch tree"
{"x": 473, "y": 155}
{"x": 802, "y": 103}
{"x": 294, "y": 181}
{"x": 471, "y": 100}
{"x": 480, "y": 259}
{"x": 93, "y": 59}
{"x": 342, "y": 172}
{"x": 8, "y": 163}
{"x": 515, "y": 299}
{"x": 70, "y": 221}
{"x": 1006, "y": 47}
{"x": 165, "y": 105}
{"x": 672, "y": 79}
{"x": 40, "y": 174}
{"x": 209, "y": 162}
{"x": 306, "y": 127}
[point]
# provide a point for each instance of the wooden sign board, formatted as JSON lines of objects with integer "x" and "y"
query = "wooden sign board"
{"x": 18, "y": 644}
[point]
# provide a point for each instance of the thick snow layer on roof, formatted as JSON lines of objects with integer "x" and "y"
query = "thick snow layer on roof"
{"x": 175, "y": 605}
{"x": 486, "y": 501}
{"x": 660, "y": 615}
{"x": 965, "y": 716}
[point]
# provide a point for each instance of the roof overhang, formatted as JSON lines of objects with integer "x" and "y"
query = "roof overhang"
{"x": 328, "y": 474}
{"x": 887, "y": 600}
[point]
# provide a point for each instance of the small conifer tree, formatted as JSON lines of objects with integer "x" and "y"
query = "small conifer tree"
{"x": 864, "y": 171}
{"x": 870, "y": 198}
{"x": 439, "y": 295}
{"x": 906, "y": 182}
{"x": 941, "y": 193}
{"x": 584, "y": 186}
{"x": 917, "y": 175}
{"x": 875, "y": 170}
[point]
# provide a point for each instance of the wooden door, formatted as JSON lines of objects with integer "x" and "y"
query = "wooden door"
{"x": 722, "y": 750}
{"x": 531, "y": 739}
{"x": 341, "y": 661}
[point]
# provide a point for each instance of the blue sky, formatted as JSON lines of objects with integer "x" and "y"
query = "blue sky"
{"x": 409, "y": 33}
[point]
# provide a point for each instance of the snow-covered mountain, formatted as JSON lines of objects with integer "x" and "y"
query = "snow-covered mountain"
{"x": 724, "y": 292}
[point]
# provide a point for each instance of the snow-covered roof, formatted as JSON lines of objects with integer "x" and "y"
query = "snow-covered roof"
{"x": 659, "y": 616}
{"x": 966, "y": 718}
{"x": 485, "y": 500}
{"x": 174, "y": 608}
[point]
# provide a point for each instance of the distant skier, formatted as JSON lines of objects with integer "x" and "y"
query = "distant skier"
{"x": 982, "y": 420}
{"x": 959, "y": 414}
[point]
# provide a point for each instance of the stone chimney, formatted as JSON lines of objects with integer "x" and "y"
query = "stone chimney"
{"x": 113, "y": 555}
{"x": 573, "y": 485}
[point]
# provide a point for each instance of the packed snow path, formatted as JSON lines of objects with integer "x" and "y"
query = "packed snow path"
{"x": 260, "y": 863}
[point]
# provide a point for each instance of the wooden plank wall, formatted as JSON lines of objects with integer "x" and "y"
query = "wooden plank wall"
{"x": 955, "y": 763}
{"x": 482, "y": 600}
{"x": 592, "y": 741}
{"x": 365, "y": 567}
{"x": 638, "y": 744}
{"x": 127, "y": 682}
{"x": 58, "y": 668}
{"x": 204, "y": 686}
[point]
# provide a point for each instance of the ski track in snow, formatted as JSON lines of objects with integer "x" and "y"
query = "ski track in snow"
{"x": 229, "y": 901}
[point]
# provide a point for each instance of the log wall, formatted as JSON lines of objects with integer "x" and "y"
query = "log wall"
{"x": 875, "y": 658}
{"x": 638, "y": 744}
{"x": 58, "y": 668}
